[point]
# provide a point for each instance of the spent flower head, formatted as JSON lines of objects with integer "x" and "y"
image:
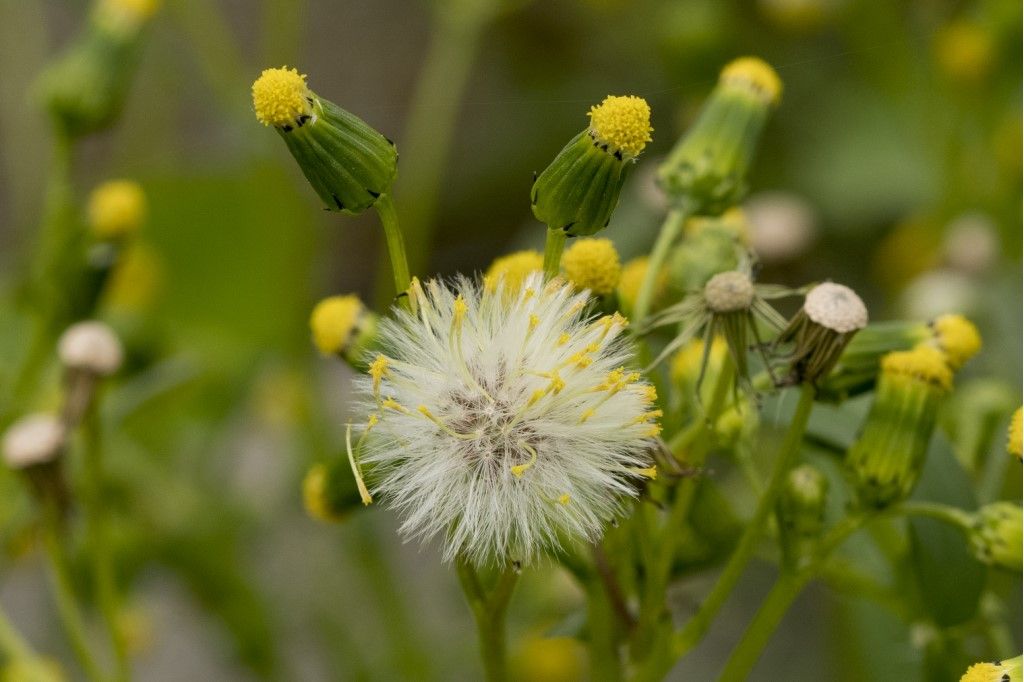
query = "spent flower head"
{"x": 505, "y": 422}
{"x": 830, "y": 316}
{"x": 33, "y": 440}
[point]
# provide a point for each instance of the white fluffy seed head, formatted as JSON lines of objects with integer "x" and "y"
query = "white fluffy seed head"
{"x": 34, "y": 439}
{"x": 504, "y": 421}
{"x": 836, "y": 307}
{"x": 92, "y": 347}
{"x": 729, "y": 292}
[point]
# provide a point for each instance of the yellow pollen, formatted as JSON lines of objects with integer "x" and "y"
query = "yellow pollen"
{"x": 623, "y": 123}
{"x": 564, "y": 499}
{"x": 537, "y": 395}
{"x": 593, "y": 264}
{"x": 647, "y": 416}
{"x": 653, "y": 432}
{"x": 519, "y": 469}
{"x": 573, "y": 309}
{"x": 528, "y": 294}
{"x": 958, "y": 338}
{"x": 393, "y": 404}
{"x": 280, "y": 97}
{"x": 923, "y": 363}
{"x": 332, "y": 322}
{"x": 557, "y": 384}
{"x": 650, "y": 472}
{"x": 648, "y": 393}
{"x": 460, "y": 309}
{"x": 587, "y": 414}
{"x": 378, "y": 368}
{"x": 534, "y": 321}
{"x": 564, "y": 339}
{"x": 371, "y": 422}
{"x": 755, "y": 75}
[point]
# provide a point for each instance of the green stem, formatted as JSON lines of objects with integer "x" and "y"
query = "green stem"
{"x": 774, "y": 607}
{"x": 553, "y": 247}
{"x": 104, "y": 580}
{"x": 605, "y": 664}
{"x": 489, "y": 613}
{"x": 659, "y": 571}
{"x": 940, "y": 512}
{"x": 433, "y": 114}
{"x": 670, "y": 231}
{"x": 64, "y": 596}
{"x": 698, "y": 626}
{"x": 396, "y": 244}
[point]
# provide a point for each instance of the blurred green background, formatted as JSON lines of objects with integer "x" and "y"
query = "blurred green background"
{"x": 899, "y": 132}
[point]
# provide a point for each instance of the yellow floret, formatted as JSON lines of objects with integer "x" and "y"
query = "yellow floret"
{"x": 686, "y": 365}
{"x": 593, "y": 264}
{"x": 116, "y": 209}
{"x": 958, "y": 338}
{"x": 333, "y": 321}
{"x": 623, "y": 123}
{"x": 314, "y": 495}
{"x": 280, "y": 97}
{"x": 1013, "y": 441}
{"x": 924, "y": 362}
{"x": 983, "y": 672}
{"x": 755, "y": 75}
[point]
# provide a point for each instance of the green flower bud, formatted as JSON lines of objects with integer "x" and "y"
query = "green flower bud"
{"x": 886, "y": 459}
{"x": 329, "y": 491}
{"x": 342, "y": 326}
{"x": 820, "y": 331}
{"x": 579, "y": 190}
{"x": 348, "y": 163}
{"x": 707, "y": 169}
{"x": 712, "y": 249}
{"x": 995, "y": 535}
{"x": 84, "y": 90}
{"x": 801, "y": 509}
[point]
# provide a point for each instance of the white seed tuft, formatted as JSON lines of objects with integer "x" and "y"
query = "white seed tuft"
{"x": 729, "y": 292}
{"x": 91, "y": 347}
{"x": 836, "y": 307}
{"x": 33, "y": 439}
{"x": 503, "y": 420}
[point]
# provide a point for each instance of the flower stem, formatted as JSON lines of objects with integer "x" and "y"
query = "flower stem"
{"x": 697, "y": 627}
{"x": 64, "y": 596}
{"x": 396, "y": 244}
{"x": 670, "y": 231}
{"x": 774, "y": 607}
{"x": 553, "y": 247}
{"x": 104, "y": 581}
{"x": 489, "y": 613}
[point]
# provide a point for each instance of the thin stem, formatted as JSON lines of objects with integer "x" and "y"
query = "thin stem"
{"x": 670, "y": 231}
{"x": 605, "y": 665}
{"x": 698, "y": 626}
{"x": 396, "y": 244}
{"x": 64, "y": 596}
{"x": 940, "y": 512}
{"x": 553, "y": 247}
{"x": 104, "y": 580}
{"x": 489, "y": 613}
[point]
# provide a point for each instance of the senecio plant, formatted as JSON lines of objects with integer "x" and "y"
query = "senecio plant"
{"x": 562, "y": 408}
{"x": 518, "y": 416}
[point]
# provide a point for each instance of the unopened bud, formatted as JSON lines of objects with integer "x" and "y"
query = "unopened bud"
{"x": 995, "y": 535}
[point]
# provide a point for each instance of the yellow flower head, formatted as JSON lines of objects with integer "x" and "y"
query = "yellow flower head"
{"x": 116, "y": 209}
{"x": 923, "y": 363}
{"x": 1004, "y": 671}
{"x": 549, "y": 659}
{"x": 1013, "y": 441}
{"x": 958, "y": 338}
{"x": 754, "y": 75}
{"x": 687, "y": 363}
{"x": 333, "y": 321}
{"x": 124, "y": 16}
{"x": 314, "y": 495}
{"x": 514, "y": 268}
{"x": 623, "y": 123}
{"x": 281, "y": 97}
{"x": 964, "y": 51}
{"x": 593, "y": 264}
